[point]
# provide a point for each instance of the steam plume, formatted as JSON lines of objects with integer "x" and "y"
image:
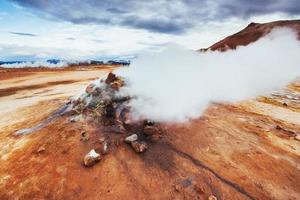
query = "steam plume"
{"x": 178, "y": 84}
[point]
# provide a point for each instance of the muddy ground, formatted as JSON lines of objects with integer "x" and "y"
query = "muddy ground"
{"x": 247, "y": 150}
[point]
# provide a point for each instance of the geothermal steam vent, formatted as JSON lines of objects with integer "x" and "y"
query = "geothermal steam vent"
{"x": 102, "y": 105}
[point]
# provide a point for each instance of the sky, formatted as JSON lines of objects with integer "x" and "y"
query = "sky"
{"x": 99, "y": 29}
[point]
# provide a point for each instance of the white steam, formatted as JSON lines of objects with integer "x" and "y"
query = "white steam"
{"x": 178, "y": 84}
{"x": 36, "y": 64}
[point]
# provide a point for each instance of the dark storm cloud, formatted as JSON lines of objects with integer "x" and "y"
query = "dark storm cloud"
{"x": 23, "y": 34}
{"x": 163, "y": 16}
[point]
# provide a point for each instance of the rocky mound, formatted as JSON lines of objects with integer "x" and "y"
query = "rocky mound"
{"x": 102, "y": 105}
{"x": 252, "y": 33}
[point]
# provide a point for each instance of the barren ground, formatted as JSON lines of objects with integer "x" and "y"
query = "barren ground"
{"x": 246, "y": 150}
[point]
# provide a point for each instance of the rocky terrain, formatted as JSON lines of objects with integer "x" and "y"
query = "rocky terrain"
{"x": 252, "y": 33}
{"x": 90, "y": 148}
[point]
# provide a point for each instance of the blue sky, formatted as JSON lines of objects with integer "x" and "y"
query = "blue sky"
{"x": 90, "y": 29}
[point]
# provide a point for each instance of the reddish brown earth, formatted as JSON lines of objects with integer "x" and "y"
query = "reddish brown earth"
{"x": 251, "y": 33}
{"x": 247, "y": 150}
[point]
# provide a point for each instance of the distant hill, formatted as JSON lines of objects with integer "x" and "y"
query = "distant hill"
{"x": 251, "y": 33}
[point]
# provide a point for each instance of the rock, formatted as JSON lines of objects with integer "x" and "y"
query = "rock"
{"x": 90, "y": 88}
{"x": 117, "y": 84}
{"x": 98, "y": 90}
{"x": 139, "y": 147}
{"x": 178, "y": 187}
{"x": 131, "y": 138}
{"x": 91, "y": 158}
{"x": 110, "y": 78}
{"x": 297, "y": 137}
{"x": 199, "y": 189}
{"x": 41, "y": 149}
{"x": 212, "y": 197}
{"x": 105, "y": 147}
{"x": 77, "y": 118}
{"x": 118, "y": 128}
{"x": 102, "y": 139}
{"x": 84, "y": 136}
{"x": 149, "y": 123}
{"x": 151, "y": 130}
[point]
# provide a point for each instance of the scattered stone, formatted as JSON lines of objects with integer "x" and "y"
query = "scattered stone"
{"x": 118, "y": 128}
{"x": 118, "y": 142}
{"x": 199, "y": 189}
{"x": 84, "y": 136}
{"x": 139, "y": 146}
{"x": 116, "y": 85}
{"x": 91, "y": 158}
{"x": 90, "y": 88}
{"x": 105, "y": 147}
{"x": 110, "y": 78}
{"x": 41, "y": 149}
{"x": 102, "y": 139}
{"x": 151, "y": 130}
{"x": 178, "y": 187}
{"x": 131, "y": 138}
{"x": 149, "y": 123}
{"x": 98, "y": 90}
{"x": 212, "y": 197}
{"x": 77, "y": 118}
{"x": 155, "y": 138}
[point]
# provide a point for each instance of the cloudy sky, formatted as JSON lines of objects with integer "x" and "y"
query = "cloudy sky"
{"x": 95, "y": 29}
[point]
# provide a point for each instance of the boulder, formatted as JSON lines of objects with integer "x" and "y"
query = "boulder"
{"x": 91, "y": 158}
{"x": 139, "y": 146}
{"x": 131, "y": 138}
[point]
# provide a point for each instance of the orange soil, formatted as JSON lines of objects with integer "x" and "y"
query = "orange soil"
{"x": 232, "y": 152}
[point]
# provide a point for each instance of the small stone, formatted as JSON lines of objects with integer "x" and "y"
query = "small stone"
{"x": 151, "y": 130}
{"x": 41, "y": 149}
{"x": 90, "y": 88}
{"x": 84, "y": 136}
{"x": 199, "y": 189}
{"x": 149, "y": 123}
{"x": 131, "y": 138}
{"x": 119, "y": 128}
{"x": 139, "y": 147}
{"x": 105, "y": 147}
{"x": 178, "y": 187}
{"x": 91, "y": 158}
{"x": 77, "y": 118}
{"x": 110, "y": 78}
{"x": 212, "y": 197}
{"x": 116, "y": 85}
{"x": 102, "y": 139}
